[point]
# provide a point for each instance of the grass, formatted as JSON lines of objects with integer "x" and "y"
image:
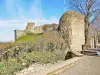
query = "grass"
{"x": 29, "y": 38}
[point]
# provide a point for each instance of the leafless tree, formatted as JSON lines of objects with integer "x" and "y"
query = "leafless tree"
{"x": 97, "y": 24}
{"x": 90, "y": 9}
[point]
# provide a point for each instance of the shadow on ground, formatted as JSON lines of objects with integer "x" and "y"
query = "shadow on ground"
{"x": 90, "y": 53}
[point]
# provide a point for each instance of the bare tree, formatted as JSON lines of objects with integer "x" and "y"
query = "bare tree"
{"x": 97, "y": 24}
{"x": 90, "y": 9}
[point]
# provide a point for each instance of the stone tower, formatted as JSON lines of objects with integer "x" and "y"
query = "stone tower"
{"x": 71, "y": 27}
{"x": 30, "y": 27}
{"x": 18, "y": 34}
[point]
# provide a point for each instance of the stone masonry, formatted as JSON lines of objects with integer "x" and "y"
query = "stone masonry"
{"x": 72, "y": 25}
{"x": 30, "y": 28}
{"x": 19, "y": 33}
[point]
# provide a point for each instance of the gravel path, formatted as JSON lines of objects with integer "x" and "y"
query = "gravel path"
{"x": 89, "y": 65}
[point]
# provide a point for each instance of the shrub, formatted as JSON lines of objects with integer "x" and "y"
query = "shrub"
{"x": 21, "y": 55}
{"x": 10, "y": 66}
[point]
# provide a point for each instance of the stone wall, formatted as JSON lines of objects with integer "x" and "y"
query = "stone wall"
{"x": 72, "y": 26}
{"x": 38, "y": 30}
{"x": 78, "y": 38}
{"x": 19, "y": 33}
{"x": 45, "y": 28}
{"x": 49, "y": 27}
{"x": 30, "y": 28}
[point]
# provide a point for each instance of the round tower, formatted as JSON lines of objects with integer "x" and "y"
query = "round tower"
{"x": 71, "y": 28}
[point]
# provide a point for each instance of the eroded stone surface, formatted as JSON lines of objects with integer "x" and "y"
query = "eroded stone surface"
{"x": 72, "y": 26}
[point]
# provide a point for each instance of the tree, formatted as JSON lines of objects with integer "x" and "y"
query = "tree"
{"x": 97, "y": 23}
{"x": 90, "y": 9}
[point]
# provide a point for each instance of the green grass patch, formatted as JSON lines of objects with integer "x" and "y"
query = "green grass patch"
{"x": 29, "y": 38}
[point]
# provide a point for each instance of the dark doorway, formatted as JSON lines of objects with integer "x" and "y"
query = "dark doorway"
{"x": 68, "y": 55}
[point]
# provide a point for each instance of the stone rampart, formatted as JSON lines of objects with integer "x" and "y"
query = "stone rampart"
{"x": 19, "y": 33}
{"x": 30, "y": 28}
{"x": 72, "y": 26}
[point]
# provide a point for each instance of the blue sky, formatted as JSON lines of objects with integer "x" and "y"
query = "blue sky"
{"x": 14, "y": 14}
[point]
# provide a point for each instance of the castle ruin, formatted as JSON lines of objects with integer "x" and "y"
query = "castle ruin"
{"x": 30, "y": 28}
{"x": 71, "y": 24}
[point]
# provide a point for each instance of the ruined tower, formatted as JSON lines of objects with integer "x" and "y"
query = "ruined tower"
{"x": 71, "y": 26}
{"x": 30, "y": 27}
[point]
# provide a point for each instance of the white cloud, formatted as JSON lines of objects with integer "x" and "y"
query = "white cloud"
{"x": 21, "y": 23}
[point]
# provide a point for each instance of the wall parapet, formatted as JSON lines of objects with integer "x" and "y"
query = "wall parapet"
{"x": 19, "y": 33}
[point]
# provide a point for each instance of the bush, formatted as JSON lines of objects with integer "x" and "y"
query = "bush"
{"x": 42, "y": 56}
{"x": 10, "y": 66}
{"x": 21, "y": 55}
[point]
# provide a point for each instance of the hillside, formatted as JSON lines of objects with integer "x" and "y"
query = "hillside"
{"x": 50, "y": 36}
{"x": 29, "y": 38}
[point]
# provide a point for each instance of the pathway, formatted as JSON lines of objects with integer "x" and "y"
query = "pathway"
{"x": 89, "y": 65}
